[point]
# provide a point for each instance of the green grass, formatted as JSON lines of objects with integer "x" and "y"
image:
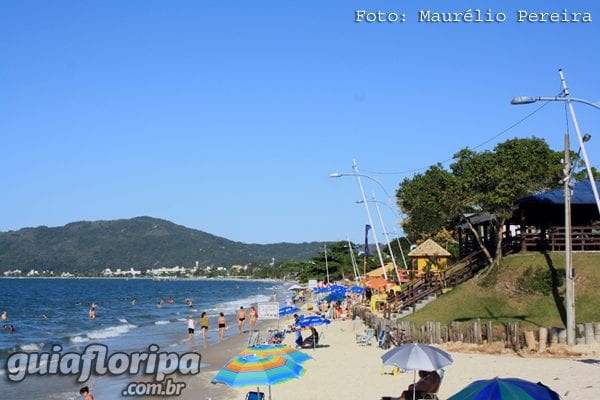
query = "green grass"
{"x": 502, "y": 300}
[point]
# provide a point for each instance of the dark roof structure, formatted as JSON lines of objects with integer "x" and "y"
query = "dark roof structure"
{"x": 547, "y": 208}
{"x": 582, "y": 194}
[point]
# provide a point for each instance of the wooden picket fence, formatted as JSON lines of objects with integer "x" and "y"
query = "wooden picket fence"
{"x": 479, "y": 332}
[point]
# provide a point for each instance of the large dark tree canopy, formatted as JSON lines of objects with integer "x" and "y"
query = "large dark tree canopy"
{"x": 490, "y": 181}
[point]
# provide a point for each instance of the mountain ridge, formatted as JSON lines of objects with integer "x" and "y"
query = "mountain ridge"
{"x": 139, "y": 242}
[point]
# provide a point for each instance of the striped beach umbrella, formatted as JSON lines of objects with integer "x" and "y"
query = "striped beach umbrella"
{"x": 277, "y": 350}
{"x": 505, "y": 389}
{"x": 251, "y": 370}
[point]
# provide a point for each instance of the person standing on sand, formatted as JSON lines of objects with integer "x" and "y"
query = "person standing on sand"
{"x": 204, "y": 326}
{"x": 241, "y": 316}
{"x": 222, "y": 324}
{"x": 191, "y": 325}
{"x": 253, "y": 318}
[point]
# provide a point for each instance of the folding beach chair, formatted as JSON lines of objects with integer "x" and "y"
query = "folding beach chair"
{"x": 433, "y": 395}
{"x": 253, "y": 339}
{"x": 381, "y": 339}
{"x": 365, "y": 340}
{"x": 255, "y": 396}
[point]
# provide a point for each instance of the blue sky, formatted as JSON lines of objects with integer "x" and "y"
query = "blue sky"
{"x": 228, "y": 117}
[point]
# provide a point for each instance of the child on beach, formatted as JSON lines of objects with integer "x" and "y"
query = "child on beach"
{"x": 85, "y": 393}
{"x": 221, "y": 321}
{"x": 191, "y": 325}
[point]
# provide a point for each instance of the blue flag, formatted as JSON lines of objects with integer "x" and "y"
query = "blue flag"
{"x": 367, "y": 227}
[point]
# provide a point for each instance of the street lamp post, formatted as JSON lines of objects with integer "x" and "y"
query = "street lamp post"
{"x": 395, "y": 233}
{"x": 385, "y": 234}
{"x": 326, "y": 265}
{"x": 570, "y": 278}
{"x": 362, "y": 192}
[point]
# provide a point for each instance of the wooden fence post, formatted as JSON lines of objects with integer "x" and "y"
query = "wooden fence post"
{"x": 543, "y": 339}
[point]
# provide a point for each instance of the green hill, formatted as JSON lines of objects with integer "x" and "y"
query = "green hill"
{"x": 522, "y": 290}
{"x": 141, "y": 242}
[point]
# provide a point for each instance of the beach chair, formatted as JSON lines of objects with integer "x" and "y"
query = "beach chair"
{"x": 365, "y": 340}
{"x": 255, "y": 396}
{"x": 276, "y": 337}
{"x": 433, "y": 395}
{"x": 253, "y": 339}
{"x": 381, "y": 339}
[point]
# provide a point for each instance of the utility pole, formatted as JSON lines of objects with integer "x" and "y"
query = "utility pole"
{"x": 326, "y": 265}
{"x": 569, "y": 282}
{"x": 364, "y": 198}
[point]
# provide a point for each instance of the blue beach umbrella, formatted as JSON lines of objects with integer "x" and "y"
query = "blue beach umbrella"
{"x": 322, "y": 290}
{"x": 338, "y": 288}
{"x": 356, "y": 289}
{"x": 335, "y": 296}
{"x": 313, "y": 320}
{"x": 505, "y": 389}
{"x": 287, "y": 310}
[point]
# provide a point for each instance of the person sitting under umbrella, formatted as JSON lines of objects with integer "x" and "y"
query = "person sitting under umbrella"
{"x": 429, "y": 382}
{"x": 312, "y": 340}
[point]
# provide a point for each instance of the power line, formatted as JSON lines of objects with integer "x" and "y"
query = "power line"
{"x": 520, "y": 121}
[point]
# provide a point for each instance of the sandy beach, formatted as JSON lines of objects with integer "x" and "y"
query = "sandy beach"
{"x": 341, "y": 369}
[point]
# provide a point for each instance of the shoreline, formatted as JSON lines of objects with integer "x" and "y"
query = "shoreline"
{"x": 216, "y": 355}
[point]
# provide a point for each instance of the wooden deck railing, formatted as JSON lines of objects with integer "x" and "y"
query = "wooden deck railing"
{"x": 583, "y": 238}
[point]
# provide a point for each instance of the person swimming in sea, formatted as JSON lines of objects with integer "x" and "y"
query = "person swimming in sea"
{"x": 3, "y": 316}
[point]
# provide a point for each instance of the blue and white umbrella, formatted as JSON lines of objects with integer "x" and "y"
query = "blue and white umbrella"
{"x": 416, "y": 356}
{"x": 283, "y": 311}
{"x": 313, "y": 320}
{"x": 357, "y": 289}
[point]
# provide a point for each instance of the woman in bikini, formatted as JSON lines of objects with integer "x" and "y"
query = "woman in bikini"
{"x": 253, "y": 318}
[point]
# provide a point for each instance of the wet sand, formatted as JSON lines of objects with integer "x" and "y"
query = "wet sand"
{"x": 198, "y": 387}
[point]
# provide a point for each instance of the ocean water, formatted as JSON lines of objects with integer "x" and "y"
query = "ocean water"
{"x": 120, "y": 324}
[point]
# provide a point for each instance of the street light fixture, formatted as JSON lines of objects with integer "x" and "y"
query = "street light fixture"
{"x": 387, "y": 238}
{"x": 385, "y": 232}
{"x": 570, "y": 278}
{"x": 362, "y": 192}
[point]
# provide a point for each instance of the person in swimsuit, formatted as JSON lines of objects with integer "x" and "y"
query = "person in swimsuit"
{"x": 191, "y": 325}
{"x": 221, "y": 321}
{"x": 253, "y": 318}
{"x": 241, "y": 315}
{"x": 204, "y": 325}
{"x": 85, "y": 393}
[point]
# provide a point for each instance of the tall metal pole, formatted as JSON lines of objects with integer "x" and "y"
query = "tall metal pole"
{"x": 387, "y": 238}
{"x": 353, "y": 260}
{"x": 580, "y": 138}
{"x": 570, "y": 306}
{"x": 362, "y": 192}
{"x": 326, "y": 265}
